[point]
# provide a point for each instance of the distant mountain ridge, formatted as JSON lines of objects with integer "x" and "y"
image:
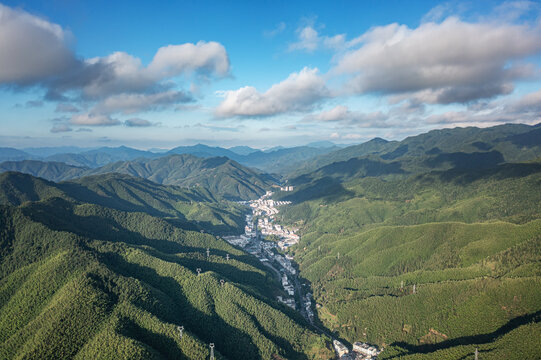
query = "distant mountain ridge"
{"x": 220, "y": 175}
{"x": 127, "y": 193}
{"x": 435, "y": 150}
{"x": 268, "y": 160}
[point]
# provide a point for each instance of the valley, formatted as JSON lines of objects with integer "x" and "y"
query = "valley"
{"x": 360, "y": 256}
{"x": 270, "y": 180}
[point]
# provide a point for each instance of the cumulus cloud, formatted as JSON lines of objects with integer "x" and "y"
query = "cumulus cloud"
{"x": 22, "y": 38}
{"x": 448, "y": 62}
{"x": 526, "y": 109}
{"x": 121, "y": 72}
{"x": 91, "y": 119}
{"x": 528, "y": 103}
{"x": 59, "y": 128}
{"x": 36, "y": 52}
{"x": 299, "y": 92}
{"x": 308, "y": 39}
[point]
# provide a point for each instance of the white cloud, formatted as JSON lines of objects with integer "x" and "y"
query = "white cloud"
{"x": 299, "y": 92}
{"x": 528, "y": 103}
{"x": 203, "y": 57}
{"x": 35, "y": 52}
{"x": 280, "y": 27}
{"x": 31, "y": 49}
{"x": 449, "y": 62}
{"x": 526, "y": 110}
{"x": 90, "y": 119}
{"x": 125, "y": 73}
{"x": 309, "y": 40}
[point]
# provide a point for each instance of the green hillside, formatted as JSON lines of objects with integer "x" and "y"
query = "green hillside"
{"x": 470, "y": 241}
{"x": 54, "y": 171}
{"x": 437, "y": 149}
{"x": 193, "y": 208}
{"x": 219, "y": 175}
{"x": 84, "y": 281}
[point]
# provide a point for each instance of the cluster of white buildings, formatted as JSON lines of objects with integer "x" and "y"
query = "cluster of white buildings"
{"x": 287, "y": 286}
{"x": 285, "y": 264}
{"x": 367, "y": 350}
{"x": 340, "y": 348}
{"x": 265, "y": 209}
{"x": 288, "y": 301}
{"x": 360, "y": 351}
{"x": 307, "y": 302}
{"x": 250, "y": 241}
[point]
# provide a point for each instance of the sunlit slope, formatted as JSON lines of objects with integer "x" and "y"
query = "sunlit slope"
{"x": 192, "y": 208}
{"x": 469, "y": 147}
{"x": 85, "y": 281}
{"x": 469, "y": 240}
{"x": 219, "y": 175}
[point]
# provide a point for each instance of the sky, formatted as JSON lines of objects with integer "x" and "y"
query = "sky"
{"x": 262, "y": 73}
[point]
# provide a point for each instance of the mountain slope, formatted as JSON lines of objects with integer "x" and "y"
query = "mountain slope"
{"x": 273, "y": 161}
{"x": 11, "y": 154}
{"x": 50, "y": 170}
{"x": 79, "y": 280}
{"x": 194, "y": 208}
{"x": 220, "y": 175}
{"x": 469, "y": 240}
{"x": 441, "y": 149}
{"x": 101, "y": 156}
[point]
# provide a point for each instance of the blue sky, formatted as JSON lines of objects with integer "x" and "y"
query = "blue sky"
{"x": 262, "y": 73}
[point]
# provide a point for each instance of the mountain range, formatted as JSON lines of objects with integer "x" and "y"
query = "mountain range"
{"x": 429, "y": 247}
{"x": 268, "y": 160}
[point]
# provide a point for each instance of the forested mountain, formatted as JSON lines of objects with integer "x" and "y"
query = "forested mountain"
{"x": 82, "y": 280}
{"x": 11, "y": 154}
{"x": 271, "y": 161}
{"x": 279, "y": 160}
{"x": 101, "y": 156}
{"x": 469, "y": 240}
{"x": 221, "y": 176}
{"x": 195, "y": 208}
{"x": 282, "y": 160}
{"x": 76, "y": 156}
{"x": 50, "y": 170}
{"x": 438, "y": 149}
{"x": 429, "y": 247}
{"x": 242, "y": 150}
